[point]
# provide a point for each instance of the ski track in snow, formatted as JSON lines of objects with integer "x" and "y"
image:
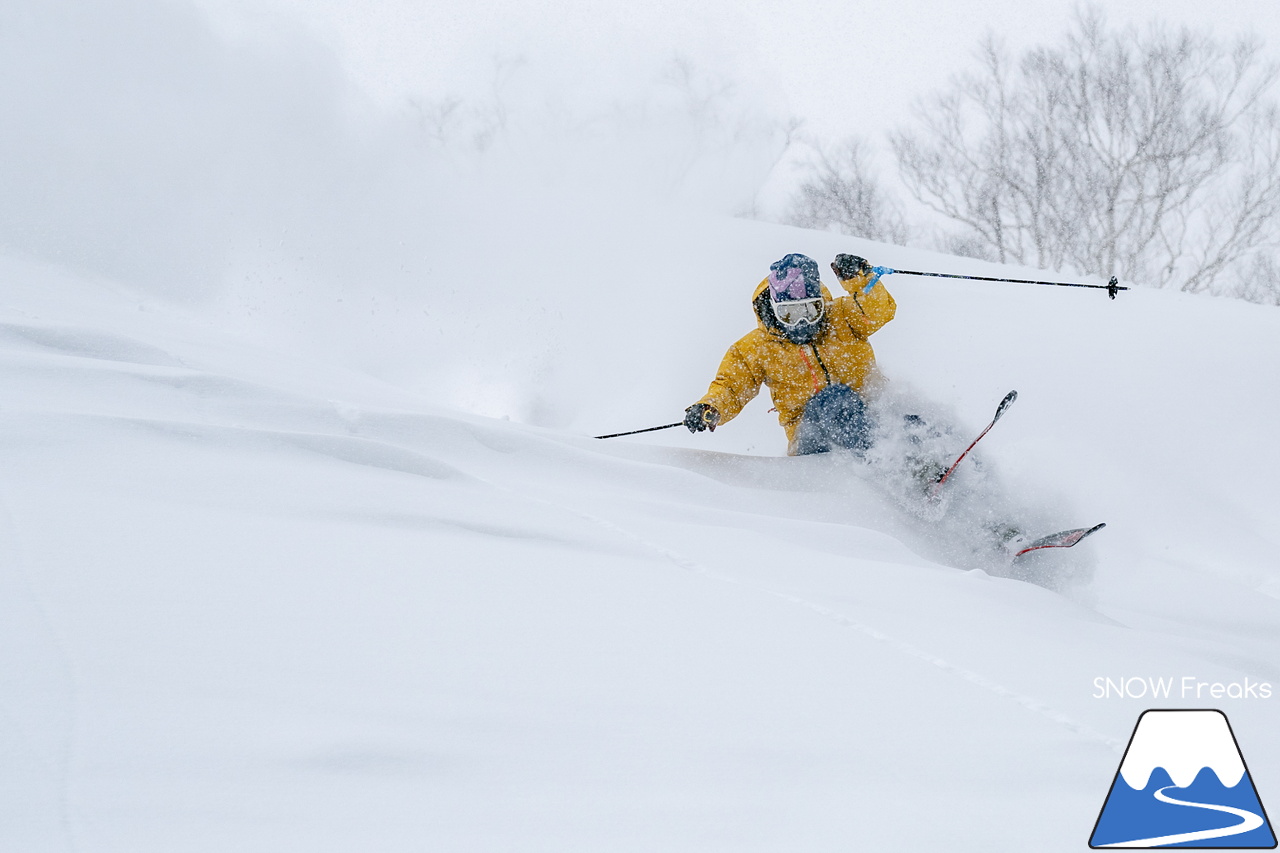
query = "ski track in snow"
{"x": 691, "y": 565}
{"x": 59, "y": 665}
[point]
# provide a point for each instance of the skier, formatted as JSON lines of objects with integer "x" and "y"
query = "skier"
{"x": 813, "y": 353}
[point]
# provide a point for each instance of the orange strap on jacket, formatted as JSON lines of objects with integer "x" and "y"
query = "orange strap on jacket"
{"x": 813, "y": 374}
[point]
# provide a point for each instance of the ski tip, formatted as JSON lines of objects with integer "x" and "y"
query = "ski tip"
{"x": 1006, "y": 403}
{"x": 1062, "y": 539}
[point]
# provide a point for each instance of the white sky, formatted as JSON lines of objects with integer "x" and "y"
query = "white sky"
{"x": 841, "y": 66}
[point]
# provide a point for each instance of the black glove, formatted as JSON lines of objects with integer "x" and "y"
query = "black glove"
{"x": 850, "y": 266}
{"x": 701, "y": 416}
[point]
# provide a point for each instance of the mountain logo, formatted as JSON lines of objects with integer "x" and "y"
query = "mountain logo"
{"x": 1183, "y": 783}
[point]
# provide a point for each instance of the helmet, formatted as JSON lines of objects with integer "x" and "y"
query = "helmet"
{"x": 795, "y": 297}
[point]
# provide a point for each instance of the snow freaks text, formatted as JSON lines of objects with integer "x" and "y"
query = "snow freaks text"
{"x": 1186, "y": 687}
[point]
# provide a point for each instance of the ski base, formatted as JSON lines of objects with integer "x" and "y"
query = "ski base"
{"x": 1062, "y": 539}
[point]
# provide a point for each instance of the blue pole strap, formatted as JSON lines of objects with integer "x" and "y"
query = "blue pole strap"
{"x": 879, "y": 271}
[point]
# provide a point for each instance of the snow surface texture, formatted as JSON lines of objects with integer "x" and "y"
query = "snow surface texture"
{"x": 258, "y": 593}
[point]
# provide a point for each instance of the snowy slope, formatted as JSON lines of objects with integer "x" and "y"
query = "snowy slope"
{"x": 268, "y": 581}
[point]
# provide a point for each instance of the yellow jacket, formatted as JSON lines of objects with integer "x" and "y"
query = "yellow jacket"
{"x": 795, "y": 372}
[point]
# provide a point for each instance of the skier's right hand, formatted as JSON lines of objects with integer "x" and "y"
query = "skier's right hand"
{"x": 701, "y": 416}
{"x": 850, "y": 266}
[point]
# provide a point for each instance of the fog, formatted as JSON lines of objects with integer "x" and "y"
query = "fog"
{"x": 164, "y": 140}
{"x": 145, "y": 141}
{"x": 282, "y": 167}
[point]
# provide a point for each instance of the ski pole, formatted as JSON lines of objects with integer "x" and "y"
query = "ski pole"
{"x": 1112, "y": 287}
{"x": 646, "y": 429}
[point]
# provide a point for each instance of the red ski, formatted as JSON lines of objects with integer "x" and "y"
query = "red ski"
{"x": 1064, "y": 539}
{"x": 945, "y": 475}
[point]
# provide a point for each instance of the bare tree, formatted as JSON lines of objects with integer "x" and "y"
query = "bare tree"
{"x": 840, "y": 193}
{"x": 436, "y": 118}
{"x": 1261, "y": 282}
{"x": 480, "y": 124}
{"x": 722, "y": 135}
{"x": 1151, "y": 155}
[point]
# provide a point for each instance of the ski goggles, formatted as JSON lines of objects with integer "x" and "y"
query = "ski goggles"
{"x": 796, "y": 311}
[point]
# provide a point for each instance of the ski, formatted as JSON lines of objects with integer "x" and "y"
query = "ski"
{"x": 1062, "y": 539}
{"x": 1000, "y": 410}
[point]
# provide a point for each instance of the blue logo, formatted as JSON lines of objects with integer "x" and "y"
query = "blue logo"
{"x": 1183, "y": 783}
